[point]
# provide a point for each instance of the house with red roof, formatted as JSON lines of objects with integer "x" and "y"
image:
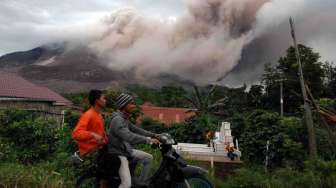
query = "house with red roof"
{"x": 16, "y": 92}
{"x": 165, "y": 115}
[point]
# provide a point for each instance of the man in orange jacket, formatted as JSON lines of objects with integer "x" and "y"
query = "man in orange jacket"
{"x": 90, "y": 130}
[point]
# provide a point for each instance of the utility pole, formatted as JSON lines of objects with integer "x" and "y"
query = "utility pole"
{"x": 281, "y": 96}
{"x": 307, "y": 110}
{"x": 281, "y": 99}
{"x": 266, "y": 157}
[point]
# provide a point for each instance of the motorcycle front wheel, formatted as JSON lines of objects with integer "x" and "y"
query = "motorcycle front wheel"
{"x": 195, "y": 182}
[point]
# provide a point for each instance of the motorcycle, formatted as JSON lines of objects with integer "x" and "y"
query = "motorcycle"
{"x": 174, "y": 172}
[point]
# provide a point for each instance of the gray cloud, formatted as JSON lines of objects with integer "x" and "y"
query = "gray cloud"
{"x": 314, "y": 22}
{"x": 204, "y": 44}
{"x": 26, "y": 24}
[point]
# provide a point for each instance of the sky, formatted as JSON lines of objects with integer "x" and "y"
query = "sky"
{"x": 26, "y": 24}
{"x": 232, "y": 42}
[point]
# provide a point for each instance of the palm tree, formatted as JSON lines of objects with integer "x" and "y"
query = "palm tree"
{"x": 203, "y": 103}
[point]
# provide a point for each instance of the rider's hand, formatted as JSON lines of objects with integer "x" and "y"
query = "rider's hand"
{"x": 99, "y": 139}
{"x": 157, "y": 136}
{"x": 155, "y": 141}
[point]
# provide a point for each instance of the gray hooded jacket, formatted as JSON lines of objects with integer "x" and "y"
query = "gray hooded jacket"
{"x": 123, "y": 134}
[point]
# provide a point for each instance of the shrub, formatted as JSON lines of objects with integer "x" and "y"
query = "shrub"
{"x": 153, "y": 126}
{"x": 316, "y": 174}
{"x": 194, "y": 129}
{"x": 285, "y": 144}
{"x": 28, "y": 139}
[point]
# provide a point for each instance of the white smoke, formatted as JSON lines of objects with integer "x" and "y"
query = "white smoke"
{"x": 203, "y": 45}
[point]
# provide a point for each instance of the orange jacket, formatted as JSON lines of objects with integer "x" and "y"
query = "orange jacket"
{"x": 90, "y": 122}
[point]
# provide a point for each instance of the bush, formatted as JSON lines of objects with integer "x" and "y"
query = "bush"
{"x": 7, "y": 151}
{"x": 28, "y": 139}
{"x": 194, "y": 129}
{"x": 25, "y": 139}
{"x": 14, "y": 115}
{"x": 326, "y": 170}
{"x": 261, "y": 127}
{"x": 317, "y": 174}
{"x": 285, "y": 144}
{"x": 71, "y": 118}
{"x": 65, "y": 143}
{"x": 153, "y": 126}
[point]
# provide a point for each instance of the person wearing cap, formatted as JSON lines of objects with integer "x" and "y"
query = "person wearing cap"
{"x": 123, "y": 134}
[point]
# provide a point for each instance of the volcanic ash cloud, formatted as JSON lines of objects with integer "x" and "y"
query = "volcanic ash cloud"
{"x": 202, "y": 45}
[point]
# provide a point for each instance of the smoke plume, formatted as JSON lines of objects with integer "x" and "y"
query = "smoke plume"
{"x": 212, "y": 40}
{"x": 204, "y": 45}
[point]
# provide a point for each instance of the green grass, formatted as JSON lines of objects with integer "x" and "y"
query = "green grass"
{"x": 318, "y": 175}
{"x": 58, "y": 174}
{"x": 42, "y": 175}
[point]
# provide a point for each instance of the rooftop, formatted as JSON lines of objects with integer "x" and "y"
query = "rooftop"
{"x": 14, "y": 87}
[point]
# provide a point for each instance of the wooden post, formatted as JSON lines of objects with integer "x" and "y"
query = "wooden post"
{"x": 281, "y": 99}
{"x": 281, "y": 80}
{"x": 266, "y": 158}
{"x": 63, "y": 118}
{"x": 307, "y": 110}
{"x": 212, "y": 166}
{"x": 237, "y": 144}
{"x": 237, "y": 147}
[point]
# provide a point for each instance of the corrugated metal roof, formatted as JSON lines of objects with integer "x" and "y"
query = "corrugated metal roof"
{"x": 14, "y": 86}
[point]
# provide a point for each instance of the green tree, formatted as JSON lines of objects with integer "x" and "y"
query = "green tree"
{"x": 287, "y": 68}
{"x": 272, "y": 87}
{"x": 238, "y": 124}
{"x": 232, "y": 100}
{"x": 78, "y": 99}
{"x": 312, "y": 71}
{"x": 173, "y": 96}
{"x": 202, "y": 101}
{"x": 330, "y": 80}
{"x": 145, "y": 94}
{"x": 284, "y": 135}
{"x": 255, "y": 97}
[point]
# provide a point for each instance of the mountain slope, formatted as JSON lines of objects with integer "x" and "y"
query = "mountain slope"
{"x": 68, "y": 70}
